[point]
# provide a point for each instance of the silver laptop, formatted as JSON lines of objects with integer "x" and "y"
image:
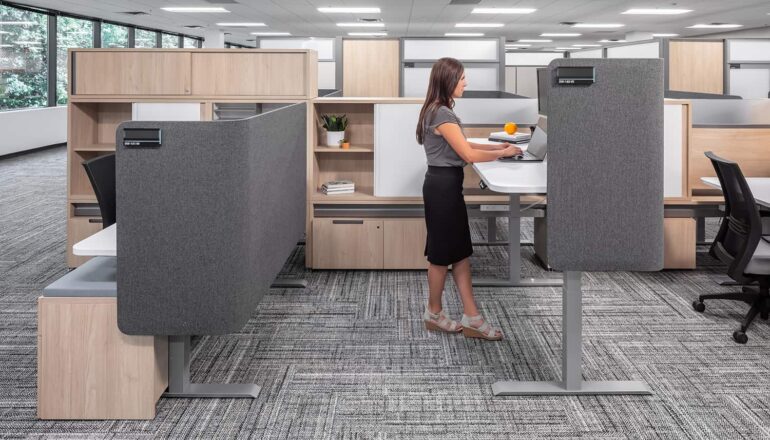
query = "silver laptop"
{"x": 537, "y": 147}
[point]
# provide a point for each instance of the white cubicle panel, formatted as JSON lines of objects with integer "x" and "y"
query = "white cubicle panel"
{"x": 673, "y": 143}
{"x": 324, "y": 46}
{"x": 750, "y": 83}
{"x": 479, "y": 78}
{"x": 748, "y": 50}
{"x": 166, "y": 111}
{"x": 486, "y": 111}
{"x": 327, "y": 75}
{"x": 420, "y": 49}
{"x": 531, "y": 58}
{"x": 593, "y": 53}
{"x": 399, "y": 161}
{"x": 642, "y": 50}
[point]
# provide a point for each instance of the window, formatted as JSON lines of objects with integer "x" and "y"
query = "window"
{"x": 70, "y": 32}
{"x": 114, "y": 35}
{"x": 170, "y": 41}
{"x": 190, "y": 42}
{"x": 144, "y": 38}
{"x": 23, "y": 59}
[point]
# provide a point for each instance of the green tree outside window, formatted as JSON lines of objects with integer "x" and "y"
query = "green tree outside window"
{"x": 23, "y": 59}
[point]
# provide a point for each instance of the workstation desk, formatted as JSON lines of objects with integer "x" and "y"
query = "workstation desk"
{"x": 760, "y": 188}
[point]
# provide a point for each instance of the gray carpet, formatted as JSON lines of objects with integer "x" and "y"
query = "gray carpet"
{"x": 348, "y": 357}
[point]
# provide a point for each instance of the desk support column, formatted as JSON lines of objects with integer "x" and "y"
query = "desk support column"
{"x": 572, "y": 345}
{"x": 179, "y": 376}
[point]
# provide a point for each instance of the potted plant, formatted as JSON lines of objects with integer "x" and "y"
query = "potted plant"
{"x": 345, "y": 144}
{"x": 335, "y": 126}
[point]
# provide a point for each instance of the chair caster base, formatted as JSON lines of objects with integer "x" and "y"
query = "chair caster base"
{"x": 699, "y": 306}
{"x": 740, "y": 337}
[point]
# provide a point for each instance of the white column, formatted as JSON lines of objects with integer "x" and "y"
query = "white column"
{"x": 214, "y": 39}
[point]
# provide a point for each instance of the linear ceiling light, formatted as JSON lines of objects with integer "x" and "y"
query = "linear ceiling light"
{"x": 560, "y": 34}
{"x": 464, "y": 34}
{"x": 271, "y": 34}
{"x": 715, "y": 26}
{"x": 360, "y": 24}
{"x": 20, "y": 23}
{"x": 598, "y": 25}
{"x": 587, "y": 45}
{"x": 665, "y": 35}
{"x": 368, "y": 34}
{"x": 662, "y": 11}
{"x": 612, "y": 41}
{"x": 517, "y": 45}
{"x": 503, "y": 10}
{"x": 243, "y": 24}
{"x": 565, "y": 48}
{"x": 353, "y": 10}
{"x": 28, "y": 42}
{"x": 535, "y": 41}
{"x": 214, "y": 9}
{"x": 479, "y": 25}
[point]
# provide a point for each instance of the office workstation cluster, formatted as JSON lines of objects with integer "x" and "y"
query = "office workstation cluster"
{"x": 212, "y": 193}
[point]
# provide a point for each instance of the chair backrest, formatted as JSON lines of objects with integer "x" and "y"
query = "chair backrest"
{"x": 741, "y": 227}
{"x": 101, "y": 173}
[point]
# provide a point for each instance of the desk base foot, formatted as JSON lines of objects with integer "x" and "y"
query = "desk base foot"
{"x": 284, "y": 283}
{"x": 217, "y": 390}
{"x": 515, "y": 388}
{"x": 524, "y": 282}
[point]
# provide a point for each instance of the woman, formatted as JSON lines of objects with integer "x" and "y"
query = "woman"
{"x": 449, "y": 238}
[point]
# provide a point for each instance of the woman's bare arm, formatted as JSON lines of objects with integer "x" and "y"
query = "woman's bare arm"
{"x": 456, "y": 139}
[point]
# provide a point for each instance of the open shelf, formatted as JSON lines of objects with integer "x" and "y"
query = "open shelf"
{"x": 359, "y": 149}
{"x": 361, "y": 194}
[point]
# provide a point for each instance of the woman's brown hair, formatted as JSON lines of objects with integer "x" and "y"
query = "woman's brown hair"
{"x": 444, "y": 76}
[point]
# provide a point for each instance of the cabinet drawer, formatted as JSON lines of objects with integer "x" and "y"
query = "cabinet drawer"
{"x": 347, "y": 243}
{"x": 404, "y": 244}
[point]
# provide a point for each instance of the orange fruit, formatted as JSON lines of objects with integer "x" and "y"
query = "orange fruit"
{"x": 510, "y": 128}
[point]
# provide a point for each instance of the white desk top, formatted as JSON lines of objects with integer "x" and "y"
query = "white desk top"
{"x": 760, "y": 188}
{"x": 101, "y": 244}
{"x": 512, "y": 177}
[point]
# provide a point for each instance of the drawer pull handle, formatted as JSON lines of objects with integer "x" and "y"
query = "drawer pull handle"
{"x": 95, "y": 220}
{"x": 347, "y": 222}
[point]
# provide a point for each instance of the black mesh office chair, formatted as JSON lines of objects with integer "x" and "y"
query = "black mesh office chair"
{"x": 101, "y": 173}
{"x": 740, "y": 245}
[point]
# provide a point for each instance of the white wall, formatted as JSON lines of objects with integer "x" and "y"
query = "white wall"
{"x": 642, "y": 50}
{"x": 32, "y": 128}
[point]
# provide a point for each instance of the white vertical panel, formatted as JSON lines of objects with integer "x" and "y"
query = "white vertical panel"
{"x": 595, "y": 53}
{"x": 32, "y": 128}
{"x": 644, "y": 50}
{"x": 510, "y": 79}
{"x": 673, "y": 131}
{"x": 430, "y": 49}
{"x": 399, "y": 161}
{"x": 166, "y": 111}
{"x": 531, "y": 58}
{"x": 750, "y": 83}
{"x": 479, "y": 78}
{"x": 327, "y": 75}
{"x": 749, "y": 50}
{"x": 324, "y": 46}
{"x": 526, "y": 81}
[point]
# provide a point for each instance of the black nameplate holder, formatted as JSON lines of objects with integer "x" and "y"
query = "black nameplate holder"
{"x": 142, "y": 137}
{"x": 575, "y": 76}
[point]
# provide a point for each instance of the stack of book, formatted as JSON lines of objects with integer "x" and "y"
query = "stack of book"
{"x": 338, "y": 187}
{"x": 515, "y": 138}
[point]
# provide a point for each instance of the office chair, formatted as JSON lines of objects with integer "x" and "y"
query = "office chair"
{"x": 740, "y": 245}
{"x": 101, "y": 173}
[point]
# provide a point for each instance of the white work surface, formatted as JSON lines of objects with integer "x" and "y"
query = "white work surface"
{"x": 512, "y": 177}
{"x": 101, "y": 244}
{"x": 760, "y": 188}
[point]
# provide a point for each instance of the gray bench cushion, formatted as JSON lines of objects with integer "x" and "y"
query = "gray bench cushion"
{"x": 96, "y": 277}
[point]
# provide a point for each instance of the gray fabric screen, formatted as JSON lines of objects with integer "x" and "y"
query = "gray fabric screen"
{"x": 605, "y": 167}
{"x": 206, "y": 221}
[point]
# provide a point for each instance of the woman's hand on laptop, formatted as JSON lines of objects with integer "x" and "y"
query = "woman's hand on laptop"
{"x": 510, "y": 150}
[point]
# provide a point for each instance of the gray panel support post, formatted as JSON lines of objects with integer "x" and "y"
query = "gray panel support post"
{"x": 572, "y": 382}
{"x": 179, "y": 384}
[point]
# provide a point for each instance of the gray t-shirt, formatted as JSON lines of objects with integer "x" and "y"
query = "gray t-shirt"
{"x": 437, "y": 149}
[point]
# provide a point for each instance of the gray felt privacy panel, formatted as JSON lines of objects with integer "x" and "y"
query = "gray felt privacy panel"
{"x": 206, "y": 221}
{"x": 605, "y": 167}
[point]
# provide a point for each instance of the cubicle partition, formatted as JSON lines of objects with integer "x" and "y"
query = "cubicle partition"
{"x": 208, "y": 212}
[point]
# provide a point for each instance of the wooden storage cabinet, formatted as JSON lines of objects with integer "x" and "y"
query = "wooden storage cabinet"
{"x": 127, "y": 72}
{"x": 679, "y": 243}
{"x": 80, "y": 227}
{"x": 404, "y": 244}
{"x": 249, "y": 74}
{"x": 347, "y": 243}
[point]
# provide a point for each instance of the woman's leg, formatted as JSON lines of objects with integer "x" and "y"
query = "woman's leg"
{"x": 461, "y": 271}
{"x": 436, "y": 279}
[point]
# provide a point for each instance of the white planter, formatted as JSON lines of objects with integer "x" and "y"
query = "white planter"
{"x": 333, "y": 138}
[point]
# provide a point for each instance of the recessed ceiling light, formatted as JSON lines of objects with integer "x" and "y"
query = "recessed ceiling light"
{"x": 367, "y": 34}
{"x": 535, "y": 41}
{"x": 665, "y": 35}
{"x": 715, "y": 26}
{"x": 353, "y": 10}
{"x": 271, "y": 34}
{"x": 195, "y": 9}
{"x": 20, "y": 23}
{"x": 612, "y": 41}
{"x": 643, "y": 11}
{"x": 464, "y": 34}
{"x": 479, "y": 25}
{"x": 587, "y": 45}
{"x": 598, "y": 25}
{"x": 564, "y": 48}
{"x": 241, "y": 24}
{"x": 558, "y": 34}
{"x": 503, "y": 10}
{"x": 517, "y": 45}
{"x": 359, "y": 24}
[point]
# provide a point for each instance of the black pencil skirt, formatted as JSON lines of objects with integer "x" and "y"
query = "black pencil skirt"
{"x": 446, "y": 218}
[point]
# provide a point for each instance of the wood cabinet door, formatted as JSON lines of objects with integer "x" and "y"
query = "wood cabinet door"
{"x": 404, "y": 244}
{"x": 131, "y": 73}
{"x": 370, "y": 67}
{"x": 347, "y": 243}
{"x": 80, "y": 228}
{"x": 249, "y": 74}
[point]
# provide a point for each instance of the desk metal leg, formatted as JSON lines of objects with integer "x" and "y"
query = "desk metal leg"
{"x": 572, "y": 378}
{"x": 179, "y": 384}
{"x": 514, "y": 255}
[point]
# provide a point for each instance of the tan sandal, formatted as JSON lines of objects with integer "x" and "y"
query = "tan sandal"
{"x": 440, "y": 322}
{"x": 484, "y": 331}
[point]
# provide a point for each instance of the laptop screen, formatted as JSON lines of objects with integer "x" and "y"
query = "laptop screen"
{"x": 539, "y": 142}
